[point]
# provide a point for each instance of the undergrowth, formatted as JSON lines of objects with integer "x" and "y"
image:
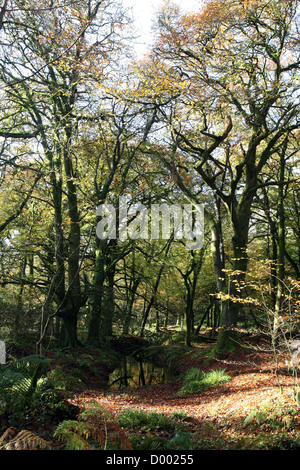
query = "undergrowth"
{"x": 153, "y": 427}
{"x": 197, "y": 381}
{"x": 31, "y": 393}
{"x": 95, "y": 429}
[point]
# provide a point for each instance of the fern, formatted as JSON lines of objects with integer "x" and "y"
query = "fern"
{"x": 32, "y": 367}
{"x": 255, "y": 415}
{"x": 134, "y": 418}
{"x": 75, "y": 434}
{"x": 95, "y": 429}
{"x": 23, "y": 440}
{"x": 7, "y": 436}
{"x": 18, "y": 381}
{"x": 182, "y": 441}
{"x": 14, "y": 387}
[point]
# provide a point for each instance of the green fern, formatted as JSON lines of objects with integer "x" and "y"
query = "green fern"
{"x": 182, "y": 441}
{"x": 18, "y": 381}
{"x": 75, "y": 434}
{"x": 95, "y": 429}
{"x": 13, "y": 388}
{"x": 33, "y": 366}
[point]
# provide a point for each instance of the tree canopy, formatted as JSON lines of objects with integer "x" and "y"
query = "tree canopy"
{"x": 209, "y": 117}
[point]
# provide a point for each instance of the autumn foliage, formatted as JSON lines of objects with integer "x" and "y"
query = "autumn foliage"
{"x": 209, "y": 117}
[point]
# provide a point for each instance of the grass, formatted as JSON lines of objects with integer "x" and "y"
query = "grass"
{"x": 197, "y": 381}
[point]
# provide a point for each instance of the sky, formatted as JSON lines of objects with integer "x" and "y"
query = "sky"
{"x": 144, "y": 14}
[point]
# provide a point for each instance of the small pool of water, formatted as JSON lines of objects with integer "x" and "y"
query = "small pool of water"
{"x": 132, "y": 373}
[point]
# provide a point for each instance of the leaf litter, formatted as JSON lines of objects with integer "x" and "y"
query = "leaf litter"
{"x": 217, "y": 416}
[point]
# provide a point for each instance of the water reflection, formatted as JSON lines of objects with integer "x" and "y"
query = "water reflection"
{"x": 132, "y": 373}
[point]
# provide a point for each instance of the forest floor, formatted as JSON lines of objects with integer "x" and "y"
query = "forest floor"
{"x": 257, "y": 409}
{"x": 260, "y": 391}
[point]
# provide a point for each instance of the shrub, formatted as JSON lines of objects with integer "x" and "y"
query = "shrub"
{"x": 197, "y": 381}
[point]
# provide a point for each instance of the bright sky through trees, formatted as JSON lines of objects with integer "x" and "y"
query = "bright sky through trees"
{"x": 144, "y": 15}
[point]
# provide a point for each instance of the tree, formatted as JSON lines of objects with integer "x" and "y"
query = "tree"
{"x": 191, "y": 277}
{"x": 209, "y": 82}
{"x": 47, "y": 55}
{"x": 271, "y": 207}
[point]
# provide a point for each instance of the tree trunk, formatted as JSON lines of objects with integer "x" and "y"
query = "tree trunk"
{"x": 97, "y": 295}
{"x": 155, "y": 288}
{"x": 129, "y": 305}
{"x": 280, "y": 272}
{"x": 230, "y": 311}
{"x": 108, "y": 306}
{"x": 188, "y": 318}
{"x": 226, "y": 314}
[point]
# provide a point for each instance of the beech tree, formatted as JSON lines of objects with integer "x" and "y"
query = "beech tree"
{"x": 48, "y": 54}
{"x": 232, "y": 102}
{"x": 272, "y": 210}
{"x": 116, "y": 163}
